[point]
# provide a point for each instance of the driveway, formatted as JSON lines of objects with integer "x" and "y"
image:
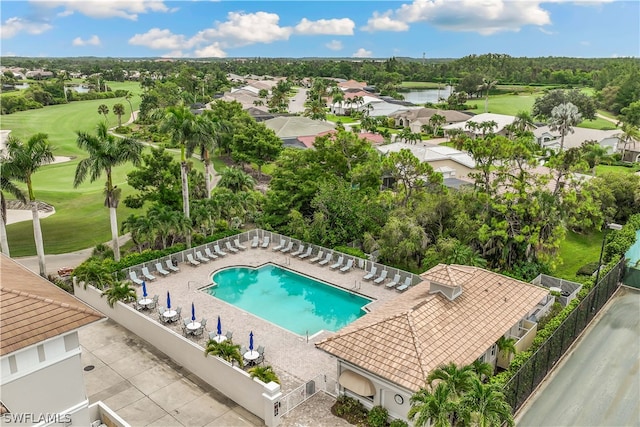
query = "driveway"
{"x": 598, "y": 383}
{"x": 296, "y": 103}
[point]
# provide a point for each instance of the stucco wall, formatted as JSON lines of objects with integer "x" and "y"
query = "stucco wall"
{"x": 229, "y": 380}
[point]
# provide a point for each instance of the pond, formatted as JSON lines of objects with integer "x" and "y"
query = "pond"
{"x": 422, "y": 96}
{"x": 77, "y": 88}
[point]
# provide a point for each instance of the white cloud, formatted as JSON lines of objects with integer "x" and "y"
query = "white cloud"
{"x": 15, "y": 25}
{"x": 336, "y": 27}
{"x": 334, "y": 45}
{"x": 91, "y": 41}
{"x": 362, "y": 53}
{"x": 545, "y": 31}
{"x": 174, "y": 54}
{"x": 481, "y": 16}
{"x": 212, "y": 51}
{"x": 384, "y": 22}
{"x": 156, "y": 38}
{"x": 242, "y": 29}
{"x": 129, "y": 9}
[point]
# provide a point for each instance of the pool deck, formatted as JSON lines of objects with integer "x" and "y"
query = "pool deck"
{"x": 293, "y": 357}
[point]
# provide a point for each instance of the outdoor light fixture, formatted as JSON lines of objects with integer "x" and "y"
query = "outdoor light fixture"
{"x": 609, "y": 226}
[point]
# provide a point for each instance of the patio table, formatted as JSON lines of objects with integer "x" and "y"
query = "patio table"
{"x": 169, "y": 315}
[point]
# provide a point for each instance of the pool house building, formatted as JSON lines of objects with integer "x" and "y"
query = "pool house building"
{"x": 456, "y": 314}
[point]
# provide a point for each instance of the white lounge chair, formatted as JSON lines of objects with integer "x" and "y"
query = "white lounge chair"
{"x": 405, "y": 285}
{"x": 217, "y": 251}
{"x": 395, "y": 282}
{"x": 306, "y": 254}
{"x": 339, "y": 263}
{"x": 161, "y": 270}
{"x": 230, "y": 248}
{"x": 348, "y": 266}
{"x": 266, "y": 242}
{"x": 371, "y": 274}
{"x": 288, "y": 248}
{"x": 381, "y": 278}
{"x": 238, "y": 245}
{"x": 192, "y": 261}
{"x": 172, "y": 267}
{"x": 147, "y": 275}
{"x": 317, "y": 257}
{"x": 134, "y": 278}
{"x": 298, "y": 251}
{"x": 280, "y": 245}
{"x": 326, "y": 260}
{"x": 210, "y": 254}
{"x": 201, "y": 257}
{"x": 255, "y": 241}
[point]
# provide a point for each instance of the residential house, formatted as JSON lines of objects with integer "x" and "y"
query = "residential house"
{"x": 352, "y": 84}
{"x": 631, "y": 151}
{"x": 456, "y": 314}
{"x": 39, "y": 348}
{"x": 415, "y": 119}
{"x": 551, "y": 138}
{"x": 39, "y": 74}
{"x": 373, "y": 138}
{"x": 500, "y": 120}
{"x": 450, "y": 162}
{"x": 289, "y": 128}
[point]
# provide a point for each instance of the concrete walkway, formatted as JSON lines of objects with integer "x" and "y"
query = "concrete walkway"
{"x": 146, "y": 388}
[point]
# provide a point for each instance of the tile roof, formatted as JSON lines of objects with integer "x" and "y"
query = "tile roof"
{"x": 294, "y": 126}
{"x": 33, "y": 309}
{"x": 373, "y": 138}
{"x": 407, "y": 337}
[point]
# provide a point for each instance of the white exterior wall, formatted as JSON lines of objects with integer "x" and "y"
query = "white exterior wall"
{"x": 46, "y": 378}
{"x": 385, "y": 392}
{"x": 255, "y": 396}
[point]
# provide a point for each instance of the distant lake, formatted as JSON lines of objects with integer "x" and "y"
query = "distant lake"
{"x": 422, "y": 96}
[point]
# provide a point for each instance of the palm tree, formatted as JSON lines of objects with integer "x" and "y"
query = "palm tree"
{"x": 182, "y": 127}
{"x": 506, "y": 346}
{"x": 457, "y": 380}
{"x": 484, "y": 405}
{"x": 94, "y": 272}
{"x": 594, "y": 154}
{"x": 127, "y": 98}
{"x": 119, "y": 291}
{"x": 264, "y": 374}
{"x": 26, "y": 159}
{"x": 432, "y": 408}
{"x": 236, "y": 180}
{"x": 208, "y": 130}
{"x": 481, "y": 369}
{"x": 628, "y": 134}
{"x": 118, "y": 110}
{"x": 104, "y": 110}
{"x": 563, "y": 118}
{"x": 436, "y": 121}
{"x": 524, "y": 122}
{"x": 140, "y": 229}
{"x": 106, "y": 152}
{"x": 225, "y": 350}
{"x": 6, "y": 184}
{"x": 485, "y": 87}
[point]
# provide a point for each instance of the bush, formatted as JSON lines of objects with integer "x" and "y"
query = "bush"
{"x": 398, "y": 423}
{"x": 377, "y": 416}
{"x": 349, "y": 409}
{"x": 123, "y": 130}
{"x": 587, "y": 269}
{"x": 351, "y": 251}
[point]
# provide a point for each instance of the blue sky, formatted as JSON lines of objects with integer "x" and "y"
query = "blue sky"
{"x": 375, "y": 29}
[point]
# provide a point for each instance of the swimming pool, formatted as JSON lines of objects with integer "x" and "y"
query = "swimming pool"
{"x": 290, "y": 300}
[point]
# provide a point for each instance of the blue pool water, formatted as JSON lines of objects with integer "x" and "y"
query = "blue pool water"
{"x": 290, "y": 300}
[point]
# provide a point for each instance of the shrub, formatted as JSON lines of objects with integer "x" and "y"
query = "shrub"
{"x": 377, "y": 416}
{"x": 123, "y": 130}
{"x": 350, "y": 409}
{"x": 351, "y": 251}
{"x": 398, "y": 423}
{"x": 587, "y": 269}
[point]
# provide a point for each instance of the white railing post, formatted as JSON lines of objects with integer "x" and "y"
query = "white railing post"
{"x": 272, "y": 406}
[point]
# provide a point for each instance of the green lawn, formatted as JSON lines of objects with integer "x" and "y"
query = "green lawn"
{"x": 504, "y": 104}
{"x": 619, "y": 169}
{"x": 342, "y": 119}
{"x": 598, "y": 123}
{"x": 575, "y": 251}
{"x": 421, "y": 85}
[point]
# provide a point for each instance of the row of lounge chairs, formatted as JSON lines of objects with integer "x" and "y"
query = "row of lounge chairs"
{"x": 197, "y": 257}
{"x": 146, "y": 274}
{"x": 396, "y": 283}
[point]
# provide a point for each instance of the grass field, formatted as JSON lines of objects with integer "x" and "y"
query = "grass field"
{"x": 577, "y": 250}
{"x": 421, "y": 85}
{"x": 504, "y": 104}
{"x": 619, "y": 169}
{"x": 598, "y": 123}
{"x": 341, "y": 119}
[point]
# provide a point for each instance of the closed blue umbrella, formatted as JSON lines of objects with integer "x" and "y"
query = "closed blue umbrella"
{"x": 251, "y": 341}
{"x": 219, "y": 326}
{"x": 168, "y": 301}
{"x": 193, "y": 312}
{"x": 144, "y": 289}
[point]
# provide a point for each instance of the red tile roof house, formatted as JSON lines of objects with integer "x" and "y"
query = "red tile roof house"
{"x": 41, "y": 376}
{"x": 456, "y": 314}
{"x": 373, "y": 138}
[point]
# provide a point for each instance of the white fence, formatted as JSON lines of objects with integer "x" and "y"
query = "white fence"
{"x": 255, "y": 396}
{"x": 300, "y": 394}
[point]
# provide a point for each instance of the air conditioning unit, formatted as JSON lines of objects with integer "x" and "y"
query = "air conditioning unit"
{"x": 96, "y": 423}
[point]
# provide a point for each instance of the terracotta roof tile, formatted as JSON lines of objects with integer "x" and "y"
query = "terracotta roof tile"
{"x": 406, "y": 338}
{"x": 33, "y": 309}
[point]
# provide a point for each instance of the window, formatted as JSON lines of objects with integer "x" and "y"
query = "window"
{"x": 493, "y": 350}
